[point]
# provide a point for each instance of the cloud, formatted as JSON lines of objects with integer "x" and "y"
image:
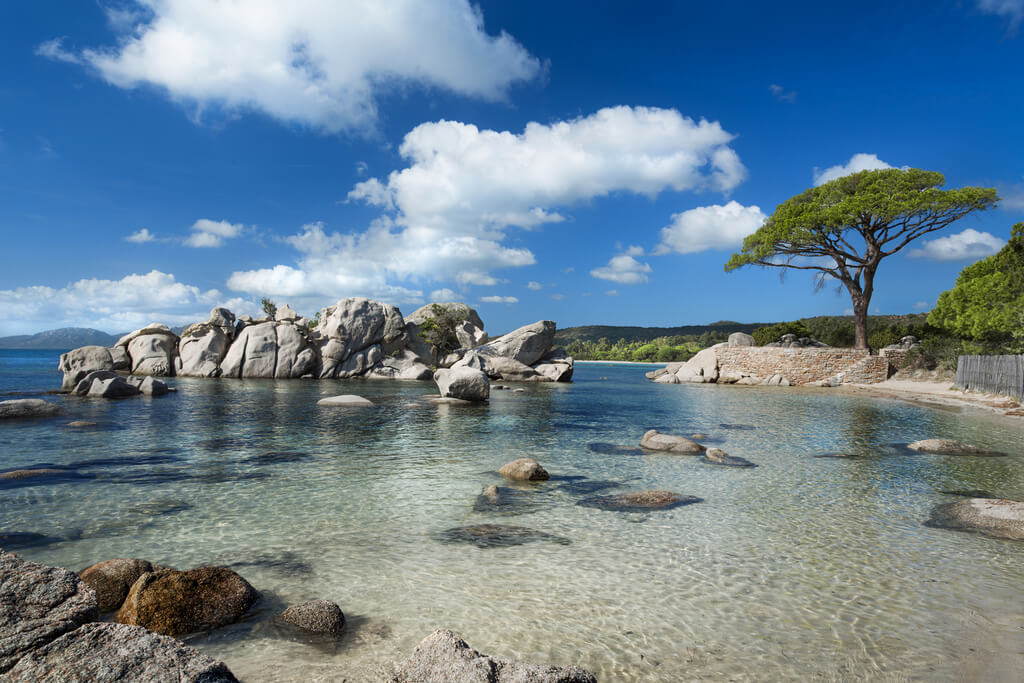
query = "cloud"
{"x": 922, "y": 306}
{"x": 444, "y": 294}
{"x": 967, "y": 245}
{"x": 534, "y": 286}
{"x": 140, "y": 236}
{"x": 709, "y": 227}
{"x": 1013, "y": 10}
{"x": 612, "y": 292}
{"x": 207, "y": 233}
{"x": 558, "y": 297}
{"x": 447, "y": 215}
{"x": 624, "y": 268}
{"x": 54, "y": 49}
{"x": 782, "y": 94}
{"x": 112, "y": 305}
{"x": 857, "y": 163}
{"x": 499, "y": 299}
{"x": 315, "y": 63}
{"x": 1013, "y": 197}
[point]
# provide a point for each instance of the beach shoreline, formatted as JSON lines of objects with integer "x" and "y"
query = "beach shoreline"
{"x": 942, "y": 394}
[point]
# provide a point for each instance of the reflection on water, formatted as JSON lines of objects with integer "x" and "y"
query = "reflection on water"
{"x": 805, "y": 567}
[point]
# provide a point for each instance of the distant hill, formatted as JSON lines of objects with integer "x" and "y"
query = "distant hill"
{"x": 64, "y": 338}
{"x": 615, "y": 332}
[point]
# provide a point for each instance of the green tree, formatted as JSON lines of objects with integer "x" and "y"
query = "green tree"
{"x": 438, "y": 328}
{"x": 269, "y": 307}
{"x": 772, "y": 333}
{"x": 844, "y": 228}
{"x": 986, "y": 305}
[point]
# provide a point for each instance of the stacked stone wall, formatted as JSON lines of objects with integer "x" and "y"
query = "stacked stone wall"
{"x": 896, "y": 357}
{"x": 804, "y": 365}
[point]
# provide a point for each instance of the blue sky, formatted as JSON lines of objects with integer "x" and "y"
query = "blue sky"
{"x": 590, "y": 163}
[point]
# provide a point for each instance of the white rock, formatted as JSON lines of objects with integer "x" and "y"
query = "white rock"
{"x": 468, "y": 384}
{"x": 346, "y": 400}
{"x": 528, "y": 344}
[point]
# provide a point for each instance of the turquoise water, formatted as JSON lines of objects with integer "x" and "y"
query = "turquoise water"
{"x": 800, "y": 568}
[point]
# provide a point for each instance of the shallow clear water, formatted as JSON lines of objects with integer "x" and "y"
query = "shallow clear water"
{"x": 800, "y": 568}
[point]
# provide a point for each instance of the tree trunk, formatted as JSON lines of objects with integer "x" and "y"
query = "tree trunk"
{"x": 860, "y": 320}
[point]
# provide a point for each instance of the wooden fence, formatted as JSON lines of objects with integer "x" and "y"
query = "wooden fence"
{"x": 1003, "y": 375}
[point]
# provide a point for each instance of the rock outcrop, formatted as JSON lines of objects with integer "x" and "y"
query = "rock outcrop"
{"x": 112, "y": 579}
{"x": 444, "y": 657}
{"x": 107, "y": 653}
{"x": 175, "y": 602}
{"x": 28, "y": 408}
{"x": 791, "y": 341}
{"x": 654, "y": 440}
{"x": 524, "y": 469}
{"x": 345, "y": 400}
{"x": 38, "y": 604}
{"x": 741, "y": 339}
{"x": 356, "y": 337}
{"x": 78, "y": 363}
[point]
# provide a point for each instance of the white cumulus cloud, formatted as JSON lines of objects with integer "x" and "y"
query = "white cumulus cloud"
{"x": 323, "y": 64}
{"x": 447, "y": 214}
{"x": 1013, "y": 10}
{"x": 710, "y": 227}
{"x": 207, "y": 233}
{"x": 499, "y": 299}
{"x": 140, "y": 236}
{"x": 857, "y": 163}
{"x": 534, "y": 286}
{"x": 111, "y": 305}
{"x": 967, "y": 245}
{"x": 624, "y": 268}
{"x": 444, "y": 294}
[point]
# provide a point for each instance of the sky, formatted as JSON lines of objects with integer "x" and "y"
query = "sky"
{"x": 584, "y": 162}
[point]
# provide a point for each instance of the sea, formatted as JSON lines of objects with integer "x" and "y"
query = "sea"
{"x": 802, "y": 568}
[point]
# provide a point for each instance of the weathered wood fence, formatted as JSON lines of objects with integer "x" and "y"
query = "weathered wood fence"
{"x": 1002, "y": 375}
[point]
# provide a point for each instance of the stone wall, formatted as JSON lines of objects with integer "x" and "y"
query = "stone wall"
{"x": 803, "y": 365}
{"x": 896, "y": 357}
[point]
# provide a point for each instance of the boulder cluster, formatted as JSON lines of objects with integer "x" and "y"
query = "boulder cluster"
{"x": 355, "y": 337}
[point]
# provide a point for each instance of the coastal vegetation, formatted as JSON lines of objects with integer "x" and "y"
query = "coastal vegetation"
{"x": 844, "y": 228}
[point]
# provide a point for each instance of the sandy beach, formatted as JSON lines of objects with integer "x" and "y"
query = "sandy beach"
{"x": 943, "y": 393}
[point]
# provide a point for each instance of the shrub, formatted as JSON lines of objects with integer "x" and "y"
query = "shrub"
{"x": 772, "y": 333}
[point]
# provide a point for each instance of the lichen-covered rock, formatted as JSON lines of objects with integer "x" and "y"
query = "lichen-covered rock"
{"x": 528, "y": 344}
{"x": 318, "y": 616}
{"x": 467, "y": 384}
{"x": 78, "y": 363}
{"x": 524, "y": 469}
{"x": 110, "y": 653}
{"x": 656, "y": 441}
{"x": 639, "y": 501}
{"x": 28, "y": 407}
{"x": 37, "y": 605}
{"x": 180, "y": 602}
{"x": 990, "y": 516}
{"x": 948, "y": 447}
{"x": 444, "y": 657}
{"x": 112, "y": 579}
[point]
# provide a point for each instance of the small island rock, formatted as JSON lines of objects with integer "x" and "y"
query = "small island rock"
{"x": 345, "y": 400}
{"x": 524, "y": 469}
{"x": 28, "y": 407}
{"x": 468, "y": 384}
{"x": 654, "y": 440}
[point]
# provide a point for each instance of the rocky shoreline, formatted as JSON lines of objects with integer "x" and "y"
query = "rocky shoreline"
{"x": 355, "y": 337}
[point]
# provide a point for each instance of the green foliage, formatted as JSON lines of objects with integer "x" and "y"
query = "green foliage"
{"x": 660, "y": 350}
{"x": 772, "y": 333}
{"x": 885, "y": 336}
{"x": 438, "y": 328}
{"x": 986, "y": 305}
{"x": 269, "y": 307}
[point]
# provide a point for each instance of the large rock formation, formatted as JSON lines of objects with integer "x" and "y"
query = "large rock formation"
{"x": 355, "y": 337}
{"x": 37, "y": 605}
{"x": 152, "y": 350}
{"x": 444, "y": 657}
{"x": 467, "y": 384}
{"x": 28, "y": 407}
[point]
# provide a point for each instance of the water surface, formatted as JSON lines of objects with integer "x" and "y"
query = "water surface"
{"x": 803, "y": 567}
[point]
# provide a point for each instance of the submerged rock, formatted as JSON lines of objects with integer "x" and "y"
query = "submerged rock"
{"x": 37, "y": 605}
{"x": 497, "y": 535}
{"x": 505, "y": 501}
{"x": 606, "y": 448}
{"x": 444, "y": 657}
{"x": 24, "y": 539}
{"x": 990, "y": 516}
{"x": 317, "y": 616}
{"x": 28, "y": 407}
{"x": 105, "y": 653}
{"x": 639, "y": 501}
{"x": 181, "y": 602}
{"x": 524, "y": 469}
{"x": 716, "y": 456}
{"x": 654, "y": 440}
{"x": 948, "y": 447}
{"x": 112, "y": 579}
{"x": 345, "y": 400}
